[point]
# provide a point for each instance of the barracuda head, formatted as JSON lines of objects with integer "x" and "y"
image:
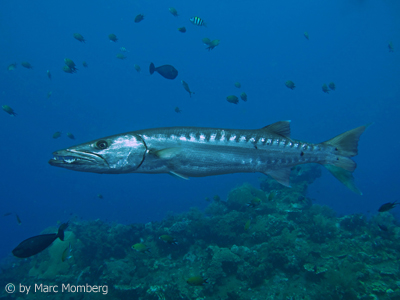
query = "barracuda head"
{"x": 121, "y": 153}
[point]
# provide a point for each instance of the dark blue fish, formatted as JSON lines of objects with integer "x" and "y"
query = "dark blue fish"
{"x": 388, "y": 206}
{"x": 166, "y": 71}
{"x": 38, "y": 243}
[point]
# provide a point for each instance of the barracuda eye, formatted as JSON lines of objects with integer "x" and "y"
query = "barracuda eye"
{"x": 102, "y": 144}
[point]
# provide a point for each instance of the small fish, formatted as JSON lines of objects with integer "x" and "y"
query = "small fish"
{"x": 388, "y": 206}
{"x": 12, "y": 67}
{"x": 390, "y": 46}
{"x": 70, "y": 135}
{"x": 137, "y": 67}
{"x": 9, "y": 110}
{"x": 243, "y": 96}
{"x": 166, "y": 71}
{"x": 206, "y": 41}
{"x": 168, "y": 239}
{"x": 7, "y": 214}
{"x": 186, "y": 87}
{"x": 232, "y": 99}
{"x": 56, "y": 135}
{"x": 306, "y": 35}
{"x": 120, "y": 56}
{"x": 139, "y": 18}
{"x": 238, "y": 85}
{"x": 207, "y": 199}
{"x": 182, "y": 29}
{"x": 198, "y": 21}
{"x": 27, "y": 65}
{"x": 140, "y": 247}
{"x": 18, "y": 219}
{"x": 216, "y": 198}
{"x": 196, "y": 281}
{"x": 247, "y": 225}
{"x": 79, "y": 37}
{"x": 254, "y": 202}
{"x": 383, "y": 227}
{"x": 70, "y": 63}
{"x": 36, "y": 244}
{"x": 213, "y": 44}
{"x": 290, "y": 84}
{"x": 173, "y": 11}
{"x": 272, "y": 195}
{"x": 48, "y": 74}
{"x": 67, "y": 69}
{"x": 112, "y": 37}
{"x": 123, "y": 49}
{"x": 66, "y": 253}
{"x": 177, "y": 110}
{"x": 325, "y": 88}
{"x": 84, "y": 64}
{"x": 100, "y": 196}
{"x": 332, "y": 86}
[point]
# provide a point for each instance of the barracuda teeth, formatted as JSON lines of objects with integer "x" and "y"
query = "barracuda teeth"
{"x": 71, "y": 160}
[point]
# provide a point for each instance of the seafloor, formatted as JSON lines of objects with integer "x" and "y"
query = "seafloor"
{"x": 282, "y": 247}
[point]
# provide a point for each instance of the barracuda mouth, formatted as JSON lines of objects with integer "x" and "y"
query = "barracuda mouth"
{"x": 72, "y": 158}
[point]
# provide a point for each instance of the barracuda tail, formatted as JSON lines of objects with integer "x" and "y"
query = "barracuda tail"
{"x": 345, "y": 147}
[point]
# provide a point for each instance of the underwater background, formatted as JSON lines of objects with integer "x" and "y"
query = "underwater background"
{"x": 353, "y": 43}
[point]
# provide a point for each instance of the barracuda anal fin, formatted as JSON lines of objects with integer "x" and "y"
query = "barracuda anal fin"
{"x": 281, "y": 175}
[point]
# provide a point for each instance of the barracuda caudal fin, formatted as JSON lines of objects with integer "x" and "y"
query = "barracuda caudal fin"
{"x": 346, "y": 146}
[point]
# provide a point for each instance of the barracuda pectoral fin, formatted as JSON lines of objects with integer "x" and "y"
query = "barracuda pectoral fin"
{"x": 167, "y": 153}
{"x": 178, "y": 175}
{"x": 281, "y": 175}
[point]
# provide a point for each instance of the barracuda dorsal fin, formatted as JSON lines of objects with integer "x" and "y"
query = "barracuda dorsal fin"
{"x": 282, "y": 128}
{"x": 167, "y": 153}
{"x": 281, "y": 175}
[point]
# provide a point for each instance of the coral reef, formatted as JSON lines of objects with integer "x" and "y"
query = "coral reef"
{"x": 278, "y": 247}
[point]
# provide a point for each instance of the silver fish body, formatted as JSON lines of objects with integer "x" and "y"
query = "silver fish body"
{"x": 197, "y": 152}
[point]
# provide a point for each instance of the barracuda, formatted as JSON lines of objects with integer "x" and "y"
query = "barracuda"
{"x": 196, "y": 152}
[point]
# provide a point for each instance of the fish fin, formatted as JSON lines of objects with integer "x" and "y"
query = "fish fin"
{"x": 281, "y": 175}
{"x": 344, "y": 176}
{"x": 61, "y": 229}
{"x": 167, "y": 153}
{"x": 347, "y": 142}
{"x": 345, "y": 145}
{"x": 152, "y": 68}
{"x": 178, "y": 175}
{"x": 282, "y": 128}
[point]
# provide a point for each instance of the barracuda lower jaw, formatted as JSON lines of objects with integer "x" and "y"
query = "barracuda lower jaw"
{"x": 69, "y": 159}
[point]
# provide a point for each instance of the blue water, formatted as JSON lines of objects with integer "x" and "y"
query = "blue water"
{"x": 262, "y": 46}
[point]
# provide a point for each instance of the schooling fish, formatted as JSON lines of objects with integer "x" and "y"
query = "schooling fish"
{"x": 198, "y": 21}
{"x": 388, "y": 206}
{"x": 197, "y": 152}
{"x": 38, "y": 243}
{"x": 166, "y": 71}
{"x": 186, "y": 87}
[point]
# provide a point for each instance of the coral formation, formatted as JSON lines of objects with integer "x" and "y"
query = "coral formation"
{"x": 290, "y": 249}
